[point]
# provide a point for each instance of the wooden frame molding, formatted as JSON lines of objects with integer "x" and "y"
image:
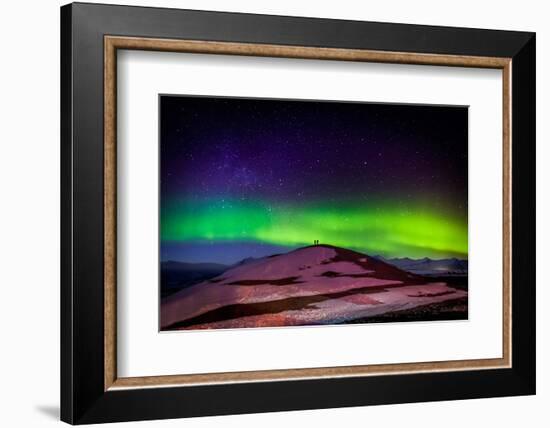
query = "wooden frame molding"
{"x": 113, "y": 43}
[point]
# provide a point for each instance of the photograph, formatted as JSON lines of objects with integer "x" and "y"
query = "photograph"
{"x": 284, "y": 212}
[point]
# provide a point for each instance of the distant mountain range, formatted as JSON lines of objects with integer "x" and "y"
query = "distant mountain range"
{"x": 430, "y": 267}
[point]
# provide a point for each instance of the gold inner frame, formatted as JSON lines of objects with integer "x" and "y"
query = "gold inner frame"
{"x": 113, "y": 43}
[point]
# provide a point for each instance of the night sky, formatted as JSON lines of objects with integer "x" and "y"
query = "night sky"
{"x": 253, "y": 177}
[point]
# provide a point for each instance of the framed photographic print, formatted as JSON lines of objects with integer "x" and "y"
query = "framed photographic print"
{"x": 316, "y": 212}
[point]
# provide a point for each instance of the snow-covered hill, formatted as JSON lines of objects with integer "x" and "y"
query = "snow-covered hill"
{"x": 319, "y": 284}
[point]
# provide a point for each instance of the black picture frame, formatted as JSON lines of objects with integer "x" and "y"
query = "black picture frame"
{"x": 83, "y": 396}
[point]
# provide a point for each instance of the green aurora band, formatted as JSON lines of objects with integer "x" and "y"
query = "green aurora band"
{"x": 381, "y": 227}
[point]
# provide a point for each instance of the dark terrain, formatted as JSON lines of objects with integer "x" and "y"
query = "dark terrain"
{"x": 175, "y": 276}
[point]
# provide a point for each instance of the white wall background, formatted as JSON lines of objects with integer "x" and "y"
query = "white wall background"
{"x": 29, "y": 218}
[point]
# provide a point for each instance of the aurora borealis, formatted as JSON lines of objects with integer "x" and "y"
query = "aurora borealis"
{"x": 252, "y": 177}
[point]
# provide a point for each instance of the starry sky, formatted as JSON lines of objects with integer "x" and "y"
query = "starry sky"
{"x": 252, "y": 177}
